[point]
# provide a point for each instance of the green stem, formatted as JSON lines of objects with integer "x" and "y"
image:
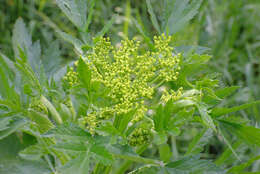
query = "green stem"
{"x": 175, "y": 152}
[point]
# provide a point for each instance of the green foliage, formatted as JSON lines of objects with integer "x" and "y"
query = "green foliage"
{"x": 129, "y": 103}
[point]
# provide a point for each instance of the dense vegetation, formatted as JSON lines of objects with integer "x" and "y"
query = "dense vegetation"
{"x": 111, "y": 87}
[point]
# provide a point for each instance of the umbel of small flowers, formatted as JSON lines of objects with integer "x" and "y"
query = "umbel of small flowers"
{"x": 130, "y": 75}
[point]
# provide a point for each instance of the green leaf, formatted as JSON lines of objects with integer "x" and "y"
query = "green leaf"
{"x": 191, "y": 164}
{"x": 22, "y": 42}
{"x": 224, "y": 92}
{"x": 199, "y": 141}
{"x": 249, "y": 134}
{"x": 107, "y": 26}
{"x": 224, "y": 157}
{"x": 71, "y": 39}
{"x": 69, "y": 131}
{"x": 43, "y": 122}
{"x": 51, "y": 59}
{"x": 71, "y": 146}
{"x": 206, "y": 118}
{"x": 13, "y": 126}
{"x": 165, "y": 152}
{"x": 79, "y": 165}
{"x": 182, "y": 12}
{"x": 239, "y": 168}
{"x": 84, "y": 73}
{"x": 75, "y": 10}
{"x": 4, "y": 123}
{"x": 222, "y": 111}
{"x": 33, "y": 153}
{"x": 153, "y": 16}
{"x": 100, "y": 153}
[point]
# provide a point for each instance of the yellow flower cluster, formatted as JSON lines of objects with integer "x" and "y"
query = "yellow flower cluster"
{"x": 171, "y": 95}
{"x": 38, "y": 106}
{"x": 71, "y": 77}
{"x": 130, "y": 75}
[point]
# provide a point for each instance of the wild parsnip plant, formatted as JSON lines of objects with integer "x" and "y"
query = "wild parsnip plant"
{"x": 134, "y": 107}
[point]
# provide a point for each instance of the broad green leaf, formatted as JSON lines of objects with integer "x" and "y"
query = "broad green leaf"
{"x": 71, "y": 146}
{"x": 101, "y": 154}
{"x": 153, "y": 16}
{"x": 13, "y": 126}
{"x": 33, "y": 153}
{"x": 165, "y": 152}
{"x": 43, "y": 122}
{"x": 191, "y": 164}
{"x": 75, "y": 10}
{"x": 199, "y": 141}
{"x": 183, "y": 11}
{"x": 249, "y": 134}
{"x": 224, "y": 92}
{"x": 4, "y": 122}
{"x": 223, "y": 111}
{"x": 84, "y": 73}
{"x": 69, "y": 131}
{"x": 6, "y": 91}
{"x": 126, "y": 152}
{"x": 79, "y": 165}
{"x": 158, "y": 118}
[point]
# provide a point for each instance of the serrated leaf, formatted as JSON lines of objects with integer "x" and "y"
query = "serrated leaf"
{"x": 100, "y": 153}
{"x": 13, "y": 126}
{"x": 69, "y": 131}
{"x": 33, "y": 152}
{"x": 51, "y": 59}
{"x": 4, "y": 123}
{"x": 191, "y": 164}
{"x": 71, "y": 146}
{"x": 223, "y": 111}
{"x": 75, "y": 10}
{"x": 249, "y": 134}
{"x": 43, "y": 122}
{"x": 22, "y": 42}
{"x": 199, "y": 141}
{"x": 79, "y": 165}
{"x": 224, "y": 92}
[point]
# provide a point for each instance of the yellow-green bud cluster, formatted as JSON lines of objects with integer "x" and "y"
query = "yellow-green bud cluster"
{"x": 91, "y": 122}
{"x": 168, "y": 64}
{"x": 129, "y": 75}
{"x": 94, "y": 119}
{"x": 171, "y": 95}
{"x": 140, "y": 136}
{"x": 71, "y": 77}
{"x": 37, "y": 105}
